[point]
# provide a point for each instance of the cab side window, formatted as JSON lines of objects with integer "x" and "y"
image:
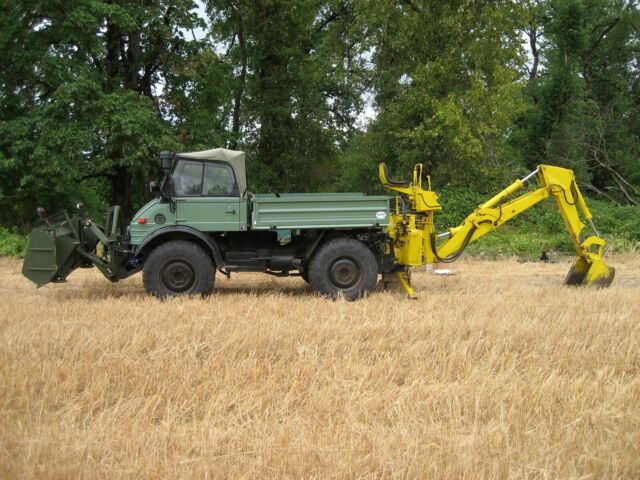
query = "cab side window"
{"x": 187, "y": 178}
{"x": 219, "y": 180}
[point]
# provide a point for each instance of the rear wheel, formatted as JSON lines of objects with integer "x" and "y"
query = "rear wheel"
{"x": 178, "y": 268}
{"x": 346, "y": 266}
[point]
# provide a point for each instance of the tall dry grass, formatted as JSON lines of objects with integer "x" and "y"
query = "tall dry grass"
{"x": 498, "y": 372}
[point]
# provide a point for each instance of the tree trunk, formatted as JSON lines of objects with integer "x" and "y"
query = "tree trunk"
{"x": 533, "y": 44}
{"x": 122, "y": 62}
{"x": 121, "y": 191}
{"x": 111, "y": 59}
{"x": 239, "y": 91}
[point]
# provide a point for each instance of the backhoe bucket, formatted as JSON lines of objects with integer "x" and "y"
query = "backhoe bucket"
{"x": 590, "y": 272}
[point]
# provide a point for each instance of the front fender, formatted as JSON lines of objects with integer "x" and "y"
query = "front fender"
{"x": 180, "y": 232}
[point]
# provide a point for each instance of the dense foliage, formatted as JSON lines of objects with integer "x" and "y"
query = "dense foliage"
{"x": 12, "y": 244}
{"x": 317, "y": 92}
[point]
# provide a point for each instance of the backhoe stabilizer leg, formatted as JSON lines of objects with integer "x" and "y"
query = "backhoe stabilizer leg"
{"x": 405, "y": 283}
{"x": 590, "y": 272}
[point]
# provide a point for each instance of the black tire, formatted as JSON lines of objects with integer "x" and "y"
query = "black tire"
{"x": 344, "y": 266}
{"x": 303, "y": 273}
{"x": 177, "y": 268}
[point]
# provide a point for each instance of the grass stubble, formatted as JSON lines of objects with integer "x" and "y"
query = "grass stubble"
{"x": 498, "y": 372}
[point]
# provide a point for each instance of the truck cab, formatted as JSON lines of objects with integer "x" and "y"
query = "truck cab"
{"x": 206, "y": 191}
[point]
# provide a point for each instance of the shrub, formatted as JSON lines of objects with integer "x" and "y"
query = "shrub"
{"x": 12, "y": 244}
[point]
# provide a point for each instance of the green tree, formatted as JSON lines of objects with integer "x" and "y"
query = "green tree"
{"x": 583, "y": 110}
{"x": 80, "y": 98}
{"x": 297, "y": 82}
{"x": 447, "y": 85}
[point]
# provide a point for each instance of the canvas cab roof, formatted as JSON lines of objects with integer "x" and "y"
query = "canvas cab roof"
{"x": 235, "y": 158}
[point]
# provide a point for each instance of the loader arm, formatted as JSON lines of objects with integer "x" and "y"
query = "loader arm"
{"x": 415, "y": 240}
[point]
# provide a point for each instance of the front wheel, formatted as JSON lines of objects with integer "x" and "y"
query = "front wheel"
{"x": 346, "y": 266}
{"x": 304, "y": 273}
{"x": 178, "y": 268}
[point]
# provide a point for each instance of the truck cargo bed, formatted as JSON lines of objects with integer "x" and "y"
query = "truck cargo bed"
{"x": 318, "y": 210}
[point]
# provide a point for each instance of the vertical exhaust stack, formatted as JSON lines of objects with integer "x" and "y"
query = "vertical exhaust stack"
{"x": 167, "y": 160}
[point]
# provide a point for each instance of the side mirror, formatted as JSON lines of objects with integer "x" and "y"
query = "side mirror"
{"x": 154, "y": 187}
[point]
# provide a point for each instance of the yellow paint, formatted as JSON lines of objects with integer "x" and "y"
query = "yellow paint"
{"x": 405, "y": 283}
{"x": 412, "y": 227}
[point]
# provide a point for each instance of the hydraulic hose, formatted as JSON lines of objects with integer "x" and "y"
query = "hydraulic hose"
{"x": 454, "y": 256}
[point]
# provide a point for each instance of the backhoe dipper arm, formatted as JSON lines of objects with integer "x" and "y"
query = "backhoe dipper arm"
{"x": 555, "y": 182}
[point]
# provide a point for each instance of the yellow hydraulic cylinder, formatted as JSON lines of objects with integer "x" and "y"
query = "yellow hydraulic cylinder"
{"x": 517, "y": 185}
{"x": 580, "y": 199}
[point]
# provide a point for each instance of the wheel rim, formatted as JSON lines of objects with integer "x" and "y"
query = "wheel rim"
{"x": 345, "y": 272}
{"x": 178, "y": 275}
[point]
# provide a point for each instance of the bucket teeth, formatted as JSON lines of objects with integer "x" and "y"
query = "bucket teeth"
{"x": 590, "y": 272}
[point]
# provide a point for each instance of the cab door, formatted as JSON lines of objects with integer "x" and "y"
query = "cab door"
{"x": 206, "y": 195}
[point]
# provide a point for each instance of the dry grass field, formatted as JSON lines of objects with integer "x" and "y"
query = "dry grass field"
{"x": 498, "y": 372}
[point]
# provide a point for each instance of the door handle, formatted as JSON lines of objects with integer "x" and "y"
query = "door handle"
{"x": 230, "y": 210}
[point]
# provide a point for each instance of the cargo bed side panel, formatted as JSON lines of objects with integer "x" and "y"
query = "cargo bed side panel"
{"x": 318, "y": 210}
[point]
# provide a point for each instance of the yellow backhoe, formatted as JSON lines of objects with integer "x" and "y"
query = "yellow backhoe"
{"x": 415, "y": 241}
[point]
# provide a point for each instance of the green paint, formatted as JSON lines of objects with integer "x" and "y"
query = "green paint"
{"x": 317, "y": 210}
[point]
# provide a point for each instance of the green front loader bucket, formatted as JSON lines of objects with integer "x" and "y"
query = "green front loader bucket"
{"x": 40, "y": 263}
{"x": 60, "y": 244}
{"x": 52, "y": 253}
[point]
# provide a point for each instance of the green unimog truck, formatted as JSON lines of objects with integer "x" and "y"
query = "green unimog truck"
{"x": 204, "y": 220}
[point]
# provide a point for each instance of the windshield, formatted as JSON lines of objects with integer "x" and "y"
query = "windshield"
{"x": 187, "y": 178}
